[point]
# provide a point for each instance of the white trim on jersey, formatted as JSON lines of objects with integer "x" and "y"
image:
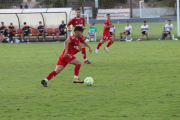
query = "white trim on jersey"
{"x": 167, "y": 26}
{"x": 144, "y": 27}
{"x": 128, "y": 28}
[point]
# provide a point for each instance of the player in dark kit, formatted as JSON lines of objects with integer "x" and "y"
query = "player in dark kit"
{"x": 41, "y": 31}
{"x": 3, "y": 31}
{"x": 67, "y": 56}
{"x": 12, "y": 31}
{"x": 79, "y": 21}
{"x": 26, "y": 32}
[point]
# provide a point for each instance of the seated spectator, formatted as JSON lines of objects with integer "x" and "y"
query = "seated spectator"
{"x": 92, "y": 32}
{"x": 62, "y": 31}
{"x": 3, "y": 31}
{"x": 26, "y": 32}
{"x": 167, "y": 29}
{"x": 144, "y": 31}
{"x": 128, "y": 30}
{"x": 112, "y": 31}
{"x": 26, "y": 6}
{"x": 41, "y": 31}
{"x": 12, "y": 31}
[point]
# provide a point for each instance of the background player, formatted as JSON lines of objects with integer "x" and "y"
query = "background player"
{"x": 3, "y": 31}
{"x": 67, "y": 56}
{"x": 79, "y": 21}
{"x": 41, "y": 31}
{"x": 128, "y": 30}
{"x": 106, "y": 35}
{"x": 167, "y": 29}
{"x": 112, "y": 31}
{"x": 12, "y": 32}
{"x": 62, "y": 30}
{"x": 26, "y": 32}
{"x": 144, "y": 29}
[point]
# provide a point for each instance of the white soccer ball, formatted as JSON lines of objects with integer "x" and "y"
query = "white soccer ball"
{"x": 88, "y": 81}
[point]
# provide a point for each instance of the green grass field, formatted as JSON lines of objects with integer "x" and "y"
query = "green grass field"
{"x": 134, "y": 81}
{"x": 155, "y": 29}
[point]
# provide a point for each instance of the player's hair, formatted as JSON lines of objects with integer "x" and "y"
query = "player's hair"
{"x": 40, "y": 22}
{"x": 144, "y": 21}
{"x": 78, "y": 28}
{"x": 93, "y": 23}
{"x": 2, "y": 22}
{"x": 169, "y": 20}
{"x": 24, "y": 22}
{"x": 77, "y": 9}
{"x": 107, "y": 14}
{"x": 127, "y": 21}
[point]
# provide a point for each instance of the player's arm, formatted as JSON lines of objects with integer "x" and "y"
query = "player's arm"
{"x": 87, "y": 45}
{"x": 66, "y": 43}
{"x": 84, "y": 25}
{"x": 106, "y": 26}
{"x": 171, "y": 27}
{"x": 4, "y": 29}
{"x": 68, "y": 25}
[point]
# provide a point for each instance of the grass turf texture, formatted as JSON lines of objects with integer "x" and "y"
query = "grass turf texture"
{"x": 155, "y": 29}
{"x": 135, "y": 80}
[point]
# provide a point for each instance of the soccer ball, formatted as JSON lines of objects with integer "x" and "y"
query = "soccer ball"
{"x": 88, "y": 81}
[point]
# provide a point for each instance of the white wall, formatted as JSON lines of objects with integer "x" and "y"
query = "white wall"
{"x": 166, "y": 11}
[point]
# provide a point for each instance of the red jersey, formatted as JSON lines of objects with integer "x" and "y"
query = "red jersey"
{"x": 106, "y": 30}
{"x": 74, "y": 43}
{"x": 76, "y": 21}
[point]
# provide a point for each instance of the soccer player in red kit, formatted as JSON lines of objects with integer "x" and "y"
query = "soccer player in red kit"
{"x": 67, "y": 57}
{"x": 79, "y": 21}
{"x": 106, "y": 35}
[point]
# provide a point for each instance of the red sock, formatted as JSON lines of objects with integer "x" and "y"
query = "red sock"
{"x": 99, "y": 45}
{"x": 51, "y": 75}
{"x": 109, "y": 43}
{"x": 83, "y": 50}
{"x": 77, "y": 69}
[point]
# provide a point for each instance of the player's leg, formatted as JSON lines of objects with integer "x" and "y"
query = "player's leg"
{"x": 142, "y": 35}
{"x": 77, "y": 64}
{"x": 100, "y": 43}
{"x": 58, "y": 69}
{"x": 10, "y": 37}
{"x": 57, "y": 35}
{"x": 109, "y": 43}
{"x": 65, "y": 35}
{"x": 94, "y": 35}
{"x": 83, "y": 51}
{"x": 29, "y": 35}
{"x": 147, "y": 35}
{"x": 43, "y": 35}
{"x": 113, "y": 34}
{"x": 121, "y": 33}
{"x": 1, "y": 37}
{"x": 37, "y": 37}
{"x": 22, "y": 37}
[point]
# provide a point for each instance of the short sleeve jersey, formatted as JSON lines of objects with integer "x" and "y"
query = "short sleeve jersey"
{"x": 167, "y": 26}
{"x": 106, "y": 30}
{"x": 62, "y": 26}
{"x": 2, "y": 28}
{"x": 12, "y": 27}
{"x": 74, "y": 43}
{"x": 93, "y": 29}
{"x": 41, "y": 28}
{"x": 76, "y": 21}
{"x": 144, "y": 27}
{"x": 112, "y": 29}
{"x": 128, "y": 28}
{"x": 26, "y": 28}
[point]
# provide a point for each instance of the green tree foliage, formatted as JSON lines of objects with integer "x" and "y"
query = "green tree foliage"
{"x": 167, "y": 3}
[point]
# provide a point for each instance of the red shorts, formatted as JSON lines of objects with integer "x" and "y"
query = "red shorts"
{"x": 65, "y": 60}
{"x": 106, "y": 37}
